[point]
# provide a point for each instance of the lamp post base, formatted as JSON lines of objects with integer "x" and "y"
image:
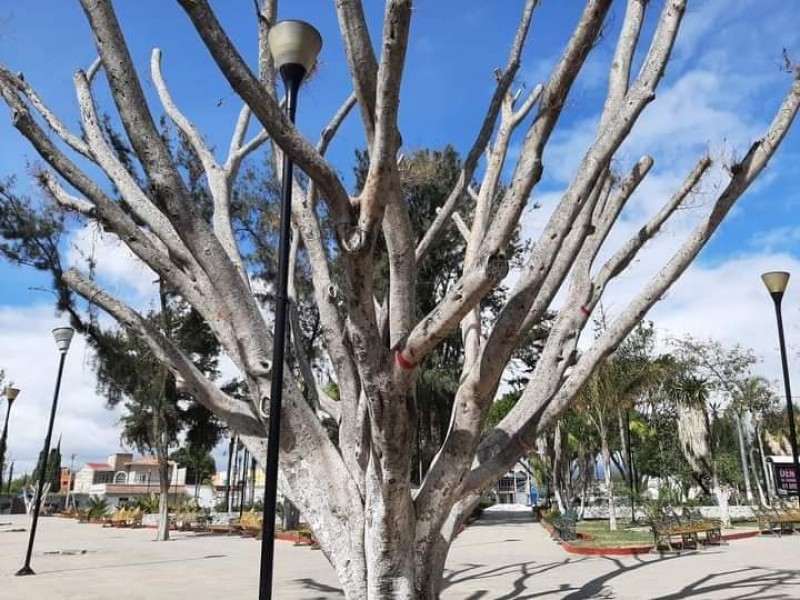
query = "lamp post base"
{"x": 26, "y": 570}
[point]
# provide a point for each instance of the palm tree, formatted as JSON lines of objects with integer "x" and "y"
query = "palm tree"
{"x": 616, "y": 386}
{"x": 696, "y": 435}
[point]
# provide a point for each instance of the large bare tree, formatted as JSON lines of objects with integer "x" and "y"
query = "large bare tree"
{"x": 384, "y": 539}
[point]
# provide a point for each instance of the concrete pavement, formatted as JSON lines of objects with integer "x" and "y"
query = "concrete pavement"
{"x": 503, "y": 556}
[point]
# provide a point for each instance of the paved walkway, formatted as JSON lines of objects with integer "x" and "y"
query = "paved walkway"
{"x": 503, "y": 556}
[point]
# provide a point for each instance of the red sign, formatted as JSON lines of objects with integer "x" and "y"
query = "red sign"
{"x": 786, "y": 483}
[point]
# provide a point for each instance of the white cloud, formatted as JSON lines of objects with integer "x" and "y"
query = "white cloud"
{"x": 29, "y": 357}
{"x": 116, "y": 267}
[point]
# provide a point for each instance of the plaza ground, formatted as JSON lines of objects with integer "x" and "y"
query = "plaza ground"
{"x": 503, "y": 556}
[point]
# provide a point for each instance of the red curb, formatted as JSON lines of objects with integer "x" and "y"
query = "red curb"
{"x": 606, "y": 551}
{"x": 629, "y": 550}
{"x": 741, "y": 535}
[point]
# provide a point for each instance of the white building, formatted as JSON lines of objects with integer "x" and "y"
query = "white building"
{"x": 122, "y": 479}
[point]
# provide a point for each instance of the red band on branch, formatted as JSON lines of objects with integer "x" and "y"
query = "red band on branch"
{"x": 403, "y": 362}
{"x": 585, "y": 311}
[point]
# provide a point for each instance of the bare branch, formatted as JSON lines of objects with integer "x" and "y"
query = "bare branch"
{"x": 331, "y": 128}
{"x": 461, "y": 225}
{"x": 93, "y": 69}
{"x": 382, "y": 181}
{"x": 138, "y": 201}
{"x": 528, "y": 171}
{"x": 180, "y": 120}
{"x": 623, "y": 257}
{"x": 471, "y": 162}
{"x": 240, "y": 130}
{"x": 619, "y": 76}
{"x": 18, "y": 83}
{"x": 533, "y": 413}
{"x": 69, "y": 202}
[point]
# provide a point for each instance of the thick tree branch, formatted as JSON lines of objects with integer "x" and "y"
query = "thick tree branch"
{"x": 142, "y": 206}
{"x": 360, "y": 59}
{"x": 234, "y": 412}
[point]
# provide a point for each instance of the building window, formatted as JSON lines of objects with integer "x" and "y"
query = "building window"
{"x": 102, "y": 477}
{"x": 141, "y": 477}
{"x": 120, "y": 478}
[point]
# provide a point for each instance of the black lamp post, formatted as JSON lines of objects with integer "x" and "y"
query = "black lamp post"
{"x": 294, "y": 46}
{"x": 11, "y": 394}
{"x": 63, "y": 337}
{"x": 776, "y": 282}
{"x": 630, "y": 464}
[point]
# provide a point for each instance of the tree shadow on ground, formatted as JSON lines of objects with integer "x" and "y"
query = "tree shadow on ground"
{"x": 492, "y": 517}
{"x": 527, "y": 569}
{"x": 748, "y": 582}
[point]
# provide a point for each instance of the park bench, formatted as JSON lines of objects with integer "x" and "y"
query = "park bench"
{"x": 248, "y": 525}
{"x": 131, "y": 519}
{"x": 116, "y": 518}
{"x": 688, "y": 526}
{"x": 565, "y": 526}
{"x": 776, "y": 520}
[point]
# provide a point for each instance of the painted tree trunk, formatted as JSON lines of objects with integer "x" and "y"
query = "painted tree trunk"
{"x": 743, "y": 458}
{"x": 767, "y": 475}
{"x": 612, "y": 515}
{"x": 722, "y": 495}
{"x": 162, "y": 533}
{"x": 762, "y": 498}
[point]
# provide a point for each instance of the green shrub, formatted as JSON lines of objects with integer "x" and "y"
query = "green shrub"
{"x": 98, "y": 507}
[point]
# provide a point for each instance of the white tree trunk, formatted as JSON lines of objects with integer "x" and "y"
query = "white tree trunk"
{"x": 722, "y": 494}
{"x": 743, "y": 452}
{"x": 162, "y": 533}
{"x": 612, "y": 514}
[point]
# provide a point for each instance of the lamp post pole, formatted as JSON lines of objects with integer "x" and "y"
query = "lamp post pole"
{"x": 630, "y": 463}
{"x": 776, "y": 282}
{"x": 228, "y": 474}
{"x": 294, "y": 46}
{"x": 63, "y": 337}
{"x": 11, "y": 394}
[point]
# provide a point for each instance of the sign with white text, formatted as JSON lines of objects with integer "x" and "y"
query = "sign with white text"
{"x": 786, "y": 479}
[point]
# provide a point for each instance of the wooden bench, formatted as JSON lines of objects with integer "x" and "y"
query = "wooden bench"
{"x": 776, "y": 520}
{"x": 688, "y": 527}
{"x": 116, "y": 518}
{"x": 249, "y": 525}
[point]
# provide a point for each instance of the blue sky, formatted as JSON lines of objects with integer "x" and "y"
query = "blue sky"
{"x": 719, "y": 93}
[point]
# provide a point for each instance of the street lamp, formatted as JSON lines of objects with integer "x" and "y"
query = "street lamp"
{"x": 776, "y": 282}
{"x": 11, "y": 394}
{"x": 63, "y": 337}
{"x": 294, "y": 46}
